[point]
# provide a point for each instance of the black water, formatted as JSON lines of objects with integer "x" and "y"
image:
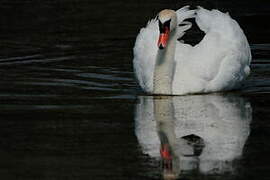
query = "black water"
{"x": 68, "y": 93}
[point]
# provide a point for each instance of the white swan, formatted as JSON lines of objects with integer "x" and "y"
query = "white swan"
{"x": 164, "y": 65}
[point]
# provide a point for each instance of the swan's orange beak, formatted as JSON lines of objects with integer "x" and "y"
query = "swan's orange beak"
{"x": 163, "y": 38}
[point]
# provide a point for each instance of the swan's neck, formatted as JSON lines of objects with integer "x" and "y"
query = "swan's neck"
{"x": 164, "y": 68}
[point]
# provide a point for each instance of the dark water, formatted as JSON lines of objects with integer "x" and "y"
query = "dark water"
{"x": 71, "y": 109}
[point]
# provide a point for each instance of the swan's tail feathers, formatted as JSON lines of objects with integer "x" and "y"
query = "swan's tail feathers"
{"x": 185, "y": 13}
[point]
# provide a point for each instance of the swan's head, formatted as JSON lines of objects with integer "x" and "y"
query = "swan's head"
{"x": 167, "y": 23}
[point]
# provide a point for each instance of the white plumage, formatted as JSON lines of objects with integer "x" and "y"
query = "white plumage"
{"x": 219, "y": 62}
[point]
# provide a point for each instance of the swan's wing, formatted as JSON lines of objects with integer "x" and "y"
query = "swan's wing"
{"x": 223, "y": 57}
{"x": 145, "y": 54}
{"x": 183, "y": 14}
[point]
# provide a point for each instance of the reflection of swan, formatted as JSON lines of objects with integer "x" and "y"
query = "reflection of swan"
{"x": 164, "y": 65}
{"x": 220, "y": 122}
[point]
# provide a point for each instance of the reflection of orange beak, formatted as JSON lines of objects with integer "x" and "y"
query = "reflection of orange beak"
{"x": 163, "y": 39}
{"x": 166, "y": 157}
{"x": 165, "y": 152}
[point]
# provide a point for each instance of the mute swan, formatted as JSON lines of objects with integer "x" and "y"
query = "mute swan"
{"x": 164, "y": 65}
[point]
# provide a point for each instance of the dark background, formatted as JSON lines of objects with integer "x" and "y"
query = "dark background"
{"x": 67, "y": 88}
{"x": 40, "y": 25}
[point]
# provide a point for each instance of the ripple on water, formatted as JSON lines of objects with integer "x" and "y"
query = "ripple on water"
{"x": 104, "y": 76}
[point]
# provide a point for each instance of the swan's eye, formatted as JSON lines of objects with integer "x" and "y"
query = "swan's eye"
{"x": 164, "y": 26}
